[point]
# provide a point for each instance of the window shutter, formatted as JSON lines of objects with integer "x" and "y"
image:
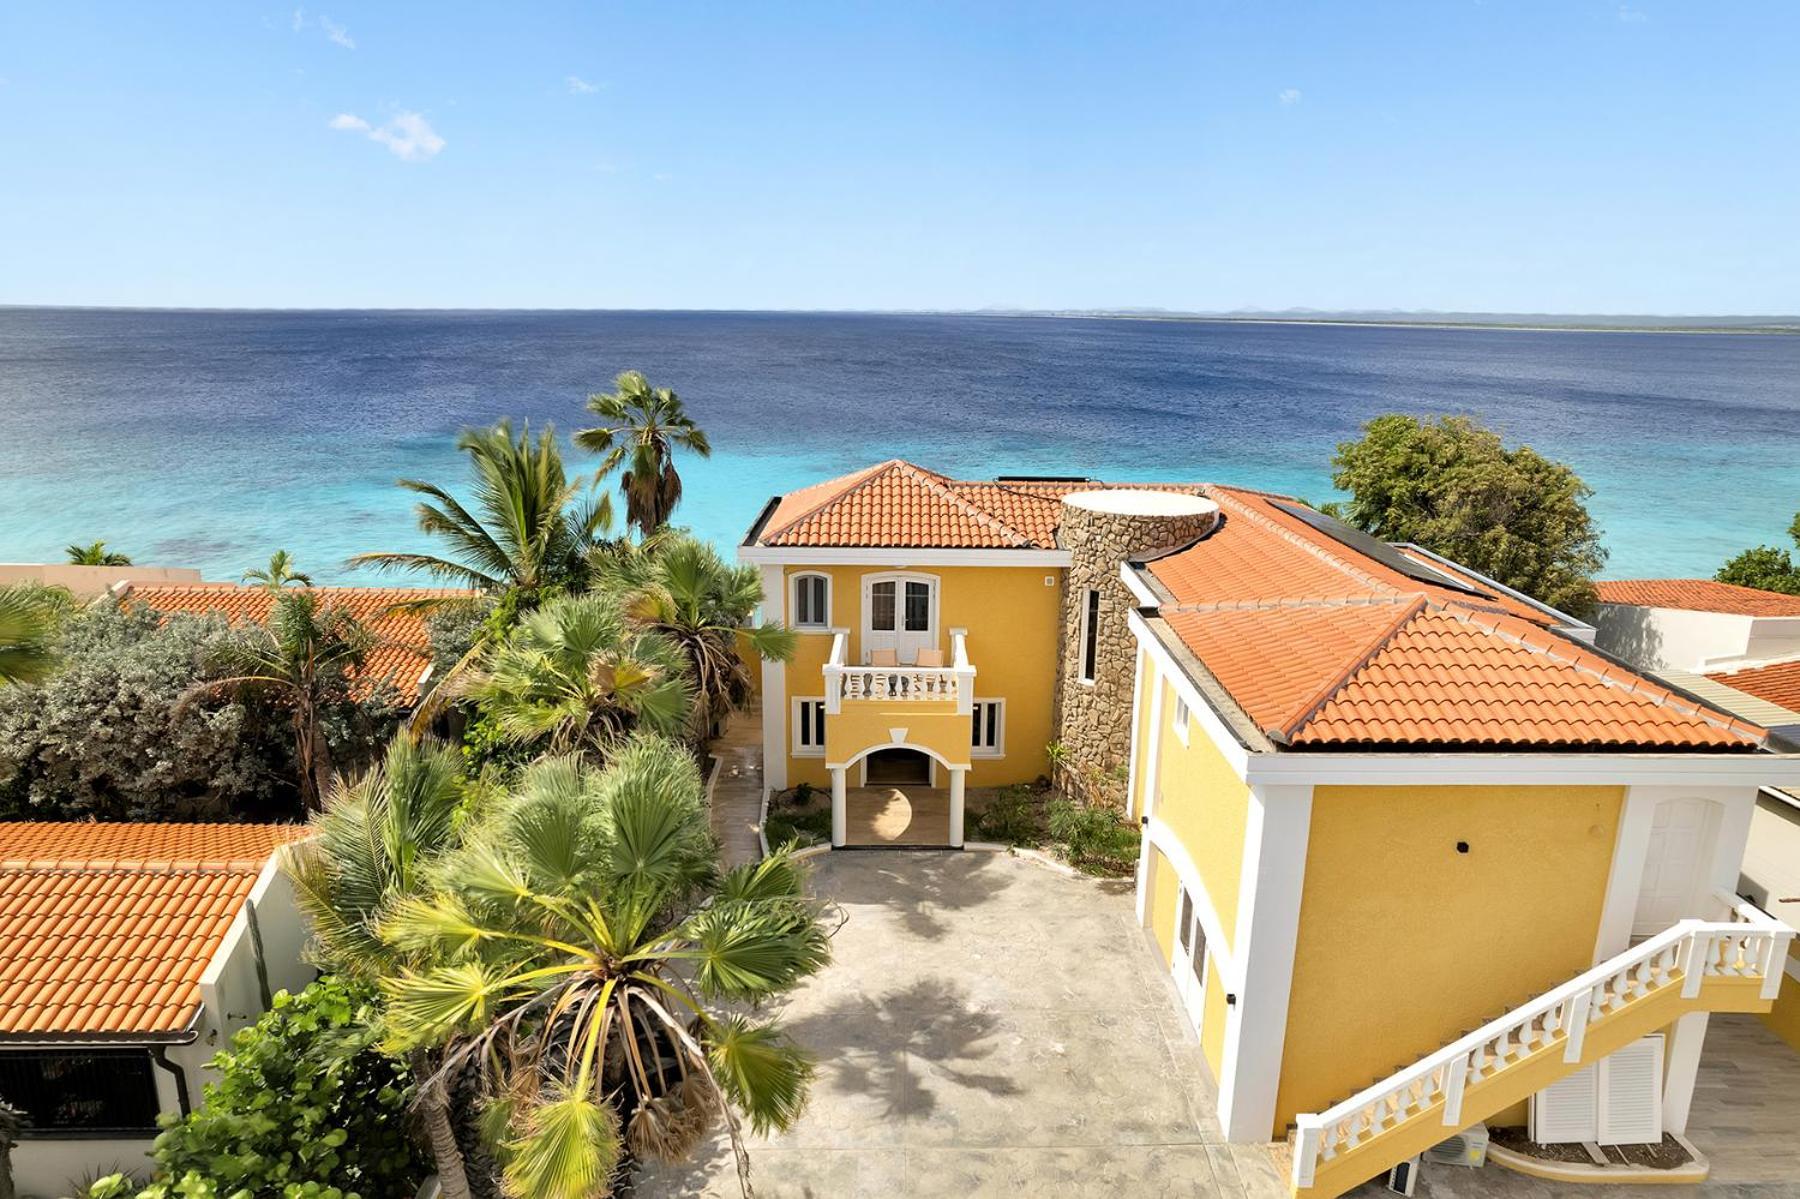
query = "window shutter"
{"x": 1631, "y": 1094}
{"x": 1565, "y": 1112}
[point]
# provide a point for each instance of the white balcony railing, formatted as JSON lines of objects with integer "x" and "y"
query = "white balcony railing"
{"x": 1745, "y": 943}
{"x": 900, "y": 684}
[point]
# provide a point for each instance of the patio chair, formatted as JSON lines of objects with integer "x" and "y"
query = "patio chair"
{"x": 883, "y": 657}
{"x": 931, "y": 658}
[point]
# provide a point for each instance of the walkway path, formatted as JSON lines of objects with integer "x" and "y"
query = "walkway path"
{"x": 737, "y": 799}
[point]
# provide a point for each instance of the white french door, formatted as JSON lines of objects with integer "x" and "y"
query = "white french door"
{"x": 1189, "y": 965}
{"x": 1681, "y": 838}
{"x": 900, "y": 613}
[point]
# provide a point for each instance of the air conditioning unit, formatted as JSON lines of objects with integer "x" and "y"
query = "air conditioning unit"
{"x": 1466, "y": 1148}
{"x": 1403, "y": 1179}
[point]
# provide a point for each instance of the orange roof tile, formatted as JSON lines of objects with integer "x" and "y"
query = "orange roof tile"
{"x": 401, "y": 657}
{"x": 1776, "y": 682}
{"x": 1698, "y": 595}
{"x": 109, "y": 927}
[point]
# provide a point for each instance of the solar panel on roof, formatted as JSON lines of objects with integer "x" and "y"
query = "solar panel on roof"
{"x": 1374, "y": 547}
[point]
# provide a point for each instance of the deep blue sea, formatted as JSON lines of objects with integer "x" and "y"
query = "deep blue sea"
{"x": 209, "y": 439}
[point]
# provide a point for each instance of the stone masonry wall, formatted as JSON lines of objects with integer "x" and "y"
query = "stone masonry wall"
{"x": 1093, "y": 721}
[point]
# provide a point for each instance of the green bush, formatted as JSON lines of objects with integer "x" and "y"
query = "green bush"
{"x": 1097, "y": 840}
{"x": 1013, "y": 817}
{"x": 804, "y": 826}
{"x": 305, "y": 1108}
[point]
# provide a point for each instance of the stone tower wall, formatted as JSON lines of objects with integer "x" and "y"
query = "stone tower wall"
{"x": 1093, "y": 721}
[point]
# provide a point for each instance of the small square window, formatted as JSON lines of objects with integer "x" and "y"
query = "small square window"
{"x": 987, "y": 733}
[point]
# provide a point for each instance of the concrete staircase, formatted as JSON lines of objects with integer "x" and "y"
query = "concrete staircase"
{"x": 1730, "y": 965}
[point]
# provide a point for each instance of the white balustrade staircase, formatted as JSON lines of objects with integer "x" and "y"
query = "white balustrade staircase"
{"x": 1729, "y": 965}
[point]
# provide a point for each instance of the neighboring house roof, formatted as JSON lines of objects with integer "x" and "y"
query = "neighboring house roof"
{"x": 897, "y": 505}
{"x": 404, "y": 650}
{"x": 1697, "y": 595}
{"x": 109, "y": 927}
{"x": 1325, "y": 647}
{"x": 1776, "y": 682}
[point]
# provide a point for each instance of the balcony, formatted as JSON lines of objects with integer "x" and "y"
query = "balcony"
{"x": 898, "y": 683}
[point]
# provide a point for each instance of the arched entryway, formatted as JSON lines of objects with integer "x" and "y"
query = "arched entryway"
{"x": 893, "y": 795}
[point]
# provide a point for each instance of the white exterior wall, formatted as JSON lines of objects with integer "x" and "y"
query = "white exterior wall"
{"x": 1774, "y": 637}
{"x": 1672, "y": 638}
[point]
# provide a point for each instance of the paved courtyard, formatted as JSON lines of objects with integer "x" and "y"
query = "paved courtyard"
{"x": 992, "y": 1027}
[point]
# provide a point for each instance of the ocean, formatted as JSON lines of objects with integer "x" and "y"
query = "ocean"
{"x": 210, "y": 439}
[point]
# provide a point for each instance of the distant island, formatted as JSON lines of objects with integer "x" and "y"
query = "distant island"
{"x": 1537, "y": 321}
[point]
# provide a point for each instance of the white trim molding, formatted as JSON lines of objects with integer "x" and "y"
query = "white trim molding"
{"x": 898, "y": 557}
{"x": 797, "y": 749}
{"x": 1224, "y": 953}
{"x": 822, "y": 625}
{"x": 998, "y": 749}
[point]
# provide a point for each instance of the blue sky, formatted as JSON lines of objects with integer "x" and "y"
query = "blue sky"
{"x": 1569, "y": 156}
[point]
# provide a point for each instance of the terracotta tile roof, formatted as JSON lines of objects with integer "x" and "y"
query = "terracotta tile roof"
{"x": 401, "y": 658}
{"x": 1324, "y": 647}
{"x": 1698, "y": 595}
{"x": 1775, "y": 682}
{"x": 109, "y": 927}
{"x": 898, "y": 505}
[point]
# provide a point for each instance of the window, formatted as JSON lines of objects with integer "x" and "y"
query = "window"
{"x": 1193, "y": 937}
{"x": 918, "y": 607}
{"x": 1090, "y": 635}
{"x": 812, "y": 602}
{"x": 81, "y": 1094}
{"x": 988, "y": 728}
{"x": 1182, "y": 715}
{"x": 809, "y": 728}
{"x": 881, "y": 606}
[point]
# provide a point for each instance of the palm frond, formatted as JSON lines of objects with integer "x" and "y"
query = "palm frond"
{"x": 763, "y": 1072}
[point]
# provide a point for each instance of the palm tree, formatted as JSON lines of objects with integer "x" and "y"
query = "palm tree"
{"x": 278, "y": 574}
{"x": 532, "y": 528}
{"x": 644, "y": 425}
{"x": 300, "y": 660}
{"x": 95, "y": 554}
{"x": 681, "y": 588}
{"x": 28, "y": 619}
{"x": 572, "y": 945}
{"x": 575, "y": 674}
{"x": 370, "y": 848}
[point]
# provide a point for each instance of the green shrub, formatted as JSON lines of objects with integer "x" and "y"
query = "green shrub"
{"x": 305, "y": 1108}
{"x": 1097, "y": 840}
{"x": 806, "y": 826}
{"x": 1012, "y": 817}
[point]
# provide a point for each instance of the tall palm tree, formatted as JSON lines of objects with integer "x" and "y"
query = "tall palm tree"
{"x": 532, "y": 527}
{"x": 573, "y": 945}
{"x": 300, "y": 660}
{"x": 28, "y": 620}
{"x": 95, "y": 553}
{"x": 575, "y": 674}
{"x": 681, "y": 588}
{"x": 643, "y": 427}
{"x": 370, "y": 849}
{"x": 278, "y": 573}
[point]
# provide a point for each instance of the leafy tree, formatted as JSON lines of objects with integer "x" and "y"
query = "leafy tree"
{"x": 576, "y": 674}
{"x": 643, "y": 427}
{"x": 679, "y": 587}
{"x": 532, "y": 528}
{"x": 1452, "y": 487}
{"x": 370, "y": 850}
{"x": 105, "y": 736}
{"x": 573, "y": 944}
{"x": 95, "y": 553}
{"x": 28, "y": 620}
{"x": 304, "y": 1099}
{"x": 278, "y": 573}
{"x": 299, "y": 662}
{"x": 1767, "y": 567}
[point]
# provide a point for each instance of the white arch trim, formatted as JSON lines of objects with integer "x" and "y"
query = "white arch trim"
{"x": 933, "y": 754}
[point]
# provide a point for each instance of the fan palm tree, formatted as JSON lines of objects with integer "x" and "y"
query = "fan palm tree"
{"x": 575, "y": 674}
{"x": 370, "y": 849}
{"x": 681, "y": 588}
{"x": 299, "y": 660}
{"x": 573, "y": 945}
{"x": 644, "y": 426}
{"x": 278, "y": 573}
{"x": 95, "y": 553}
{"x": 532, "y": 527}
{"x": 27, "y": 628}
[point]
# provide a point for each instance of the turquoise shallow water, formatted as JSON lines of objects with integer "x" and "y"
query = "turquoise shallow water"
{"x": 209, "y": 439}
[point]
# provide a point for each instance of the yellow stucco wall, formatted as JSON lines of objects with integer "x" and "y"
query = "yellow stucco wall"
{"x": 1784, "y": 1017}
{"x": 1013, "y": 620}
{"x": 1165, "y": 889}
{"x": 1212, "y": 1023}
{"x": 1206, "y": 806}
{"x": 1405, "y": 944}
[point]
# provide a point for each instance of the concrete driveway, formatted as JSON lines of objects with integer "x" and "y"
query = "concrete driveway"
{"x": 988, "y": 1027}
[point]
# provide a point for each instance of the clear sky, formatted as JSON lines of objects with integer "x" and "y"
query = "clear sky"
{"x": 1560, "y": 156}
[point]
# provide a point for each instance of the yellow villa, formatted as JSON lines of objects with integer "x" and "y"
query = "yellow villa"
{"x": 1393, "y": 813}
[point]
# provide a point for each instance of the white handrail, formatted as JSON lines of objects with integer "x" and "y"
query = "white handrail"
{"x": 905, "y": 684}
{"x": 1753, "y": 945}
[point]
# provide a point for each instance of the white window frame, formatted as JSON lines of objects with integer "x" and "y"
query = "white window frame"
{"x": 1091, "y": 600}
{"x": 998, "y": 749}
{"x": 794, "y": 723}
{"x": 812, "y": 626}
{"x": 1180, "y": 719}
